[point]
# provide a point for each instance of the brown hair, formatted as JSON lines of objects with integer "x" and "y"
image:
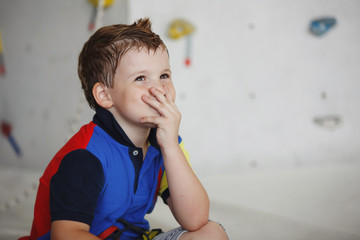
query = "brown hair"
{"x": 101, "y": 54}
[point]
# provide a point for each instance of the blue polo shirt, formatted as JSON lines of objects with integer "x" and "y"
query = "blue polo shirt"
{"x": 98, "y": 177}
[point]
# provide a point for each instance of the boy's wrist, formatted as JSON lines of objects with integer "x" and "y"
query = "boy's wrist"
{"x": 170, "y": 147}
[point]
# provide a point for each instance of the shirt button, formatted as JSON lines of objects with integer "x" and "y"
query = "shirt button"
{"x": 135, "y": 152}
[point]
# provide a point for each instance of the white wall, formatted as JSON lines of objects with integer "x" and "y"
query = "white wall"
{"x": 249, "y": 100}
{"x": 41, "y": 94}
{"x": 259, "y": 79}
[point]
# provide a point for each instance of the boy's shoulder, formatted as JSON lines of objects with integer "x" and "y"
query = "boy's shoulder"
{"x": 79, "y": 140}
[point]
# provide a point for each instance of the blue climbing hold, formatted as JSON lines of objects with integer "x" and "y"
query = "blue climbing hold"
{"x": 320, "y": 26}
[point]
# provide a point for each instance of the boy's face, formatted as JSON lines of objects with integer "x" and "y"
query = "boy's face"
{"x": 137, "y": 72}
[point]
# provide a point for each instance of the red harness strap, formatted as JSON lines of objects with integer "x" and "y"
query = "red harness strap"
{"x": 107, "y": 232}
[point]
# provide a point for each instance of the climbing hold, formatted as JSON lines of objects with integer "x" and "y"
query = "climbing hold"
{"x": 97, "y": 12}
{"x": 329, "y": 122}
{"x": 321, "y": 26}
{"x": 6, "y": 131}
{"x": 107, "y": 3}
{"x": 178, "y": 29}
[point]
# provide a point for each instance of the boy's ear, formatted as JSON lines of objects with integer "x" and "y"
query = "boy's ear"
{"x": 102, "y": 96}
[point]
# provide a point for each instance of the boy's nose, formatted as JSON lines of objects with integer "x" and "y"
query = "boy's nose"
{"x": 159, "y": 86}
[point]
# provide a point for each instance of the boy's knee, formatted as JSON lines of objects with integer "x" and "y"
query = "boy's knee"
{"x": 210, "y": 231}
{"x": 216, "y": 231}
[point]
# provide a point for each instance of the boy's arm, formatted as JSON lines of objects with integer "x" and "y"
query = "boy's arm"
{"x": 74, "y": 190}
{"x": 189, "y": 201}
{"x": 65, "y": 229}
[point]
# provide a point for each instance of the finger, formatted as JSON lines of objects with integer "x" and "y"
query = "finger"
{"x": 171, "y": 100}
{"x": 160, "y": 95}
{"x": 168, "y": 95}
{"x": 155, "y": 104}
{"x": 151, "y": 119}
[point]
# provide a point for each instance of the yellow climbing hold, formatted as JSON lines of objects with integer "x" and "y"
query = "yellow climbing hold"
{"x": 180, "y": 28}
{"x": 107, "y": 3}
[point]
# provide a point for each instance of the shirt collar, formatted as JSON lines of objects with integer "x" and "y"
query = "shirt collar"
{"x": 104, "y": 119}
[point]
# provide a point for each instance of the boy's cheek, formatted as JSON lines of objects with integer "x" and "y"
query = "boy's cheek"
{"x": 172, "y": 91}
{"x": 173, "y": 94}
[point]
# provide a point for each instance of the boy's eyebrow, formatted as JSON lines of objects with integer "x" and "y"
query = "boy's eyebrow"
{"x": 136, "y": 73}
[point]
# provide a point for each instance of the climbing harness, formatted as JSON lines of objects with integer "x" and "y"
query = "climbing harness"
{"x": 115, "y": 232}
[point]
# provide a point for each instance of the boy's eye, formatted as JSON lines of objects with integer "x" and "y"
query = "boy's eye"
{"x": 140, "y": 78}
{"x": 164, "y": 76}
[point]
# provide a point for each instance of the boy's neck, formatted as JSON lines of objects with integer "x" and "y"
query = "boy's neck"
{"x": 138, "y": 135}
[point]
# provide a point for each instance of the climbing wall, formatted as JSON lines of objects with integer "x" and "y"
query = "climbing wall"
{"x": 263, "y": 90}
{"x": 41, "y": 101}
{"x": 256, "y": 87}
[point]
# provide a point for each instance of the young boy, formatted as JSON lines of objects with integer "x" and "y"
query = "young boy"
{"x": 107, "y": 177}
